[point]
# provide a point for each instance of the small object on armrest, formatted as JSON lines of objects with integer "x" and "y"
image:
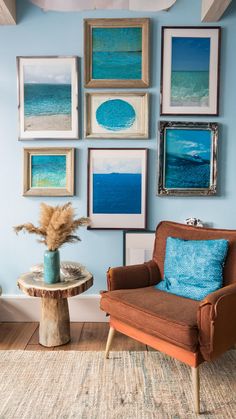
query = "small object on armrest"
{"x": 134, "y": 276}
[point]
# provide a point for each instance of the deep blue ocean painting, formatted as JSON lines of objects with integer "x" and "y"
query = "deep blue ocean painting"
{"x": 117, "y": 53}
{"x": 117, "y": 186}
{"x": 190, "y": 71}
{"x": 48, "y": 171}
{"x": 187, "y": 159}
{"x": 115, "y": 115}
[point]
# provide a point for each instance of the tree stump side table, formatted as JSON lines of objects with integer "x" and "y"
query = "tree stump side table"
{"x": 54, "y": 327}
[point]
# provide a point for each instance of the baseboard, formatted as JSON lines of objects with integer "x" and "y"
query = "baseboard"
{"x": 17, "y": 308}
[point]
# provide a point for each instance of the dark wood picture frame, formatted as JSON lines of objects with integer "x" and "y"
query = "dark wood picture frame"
{"x": 163, "y": 73}
{"x": 161, "y": 188}
{"x": 89, "y": 204}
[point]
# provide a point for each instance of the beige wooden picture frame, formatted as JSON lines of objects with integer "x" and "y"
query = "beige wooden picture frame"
{"x": 46, "y": 186}
{"x": 89, "y": 81}
{"x": 133, "y": 126}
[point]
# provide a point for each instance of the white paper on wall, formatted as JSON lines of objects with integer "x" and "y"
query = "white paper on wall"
{"x": 78, "y": 5}
{"x": 136, "y": 256}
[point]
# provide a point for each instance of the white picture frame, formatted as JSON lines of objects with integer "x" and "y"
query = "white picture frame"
{"x": 137, "y": 247}
{"x": 47, "y": 97}
{"x": 190, "y": 70}
{"x": 117, "y": 188}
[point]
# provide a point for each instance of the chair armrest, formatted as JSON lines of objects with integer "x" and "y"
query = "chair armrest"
{"x": 216, "y": 322}
{"x": 134, "y": 276}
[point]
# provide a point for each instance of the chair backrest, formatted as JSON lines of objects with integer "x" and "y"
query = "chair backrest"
{"x": 182, "y": 231}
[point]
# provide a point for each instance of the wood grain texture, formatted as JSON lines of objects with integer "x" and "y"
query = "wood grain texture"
{"x": 16, "y": 335}
{"x": 7, "y": 12}
{"x": 54, "y": 328}
{"x": 212, "y": 10}
{"x": 84, "y": 337}
{"x": 34, "y": 288}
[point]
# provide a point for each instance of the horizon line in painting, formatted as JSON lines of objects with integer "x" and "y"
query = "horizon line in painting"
{"x": 48, "y": 96}
{"x": 117, "y": 53}
{"x": 190, "y": 71}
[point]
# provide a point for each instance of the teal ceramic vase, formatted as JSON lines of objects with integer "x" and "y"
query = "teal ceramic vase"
{"x": 51, "y": 266}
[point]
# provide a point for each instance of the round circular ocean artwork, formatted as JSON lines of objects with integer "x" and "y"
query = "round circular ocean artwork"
{"x": 115, "y": 115}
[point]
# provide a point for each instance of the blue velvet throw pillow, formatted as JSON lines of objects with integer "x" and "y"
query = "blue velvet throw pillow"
{"x": 193, "y": 268}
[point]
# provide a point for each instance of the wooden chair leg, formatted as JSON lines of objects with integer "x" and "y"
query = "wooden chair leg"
{"x": 109, "y": 341}
{"x": 196, "y": 389}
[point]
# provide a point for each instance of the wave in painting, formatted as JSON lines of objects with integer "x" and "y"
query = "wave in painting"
{"x": 190, "y": 88}
{"x": 186, "y": 171}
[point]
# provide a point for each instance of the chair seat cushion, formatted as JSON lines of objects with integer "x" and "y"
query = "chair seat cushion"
{"x": 166, "y": 316}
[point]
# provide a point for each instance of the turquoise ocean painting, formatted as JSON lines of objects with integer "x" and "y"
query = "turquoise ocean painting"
{"x": 117, "y": 53}
{"x": 190, "y": 71}
{"x": 187, "y": 158}
{"x": 47, "y": 97}
{"x": 117, "y": 186}
{"x": 115, "y": 115}
{"x": 48, "y": 171}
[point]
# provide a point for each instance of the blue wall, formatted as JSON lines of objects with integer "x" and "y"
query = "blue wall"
{"x": 40, "y": 33}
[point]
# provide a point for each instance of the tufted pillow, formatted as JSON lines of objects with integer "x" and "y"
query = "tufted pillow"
{"x": 193, "y": 268}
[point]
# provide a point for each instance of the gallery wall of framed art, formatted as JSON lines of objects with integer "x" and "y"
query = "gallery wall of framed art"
{"x": 117, "y": 118}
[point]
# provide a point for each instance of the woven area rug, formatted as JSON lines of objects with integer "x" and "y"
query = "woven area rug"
{"x": 130, "y": 385}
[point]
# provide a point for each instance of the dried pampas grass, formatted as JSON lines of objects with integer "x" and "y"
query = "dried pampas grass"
{"x": 57, "y": 225}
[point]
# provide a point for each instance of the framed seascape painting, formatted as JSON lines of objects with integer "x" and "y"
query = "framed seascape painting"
{"x": 190, "y": 70}
{"x": 116, "y": 52}
{"x": 48, "y": 172}
{"x": 48, "y": 97}
{"x": 187, "y": 158}
{"x": 116, "y": 115}
{"x": 137, "y": 247}
{"x": 117, "y": 183}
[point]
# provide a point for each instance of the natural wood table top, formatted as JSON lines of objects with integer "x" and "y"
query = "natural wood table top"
{"x": 34, "y": 287}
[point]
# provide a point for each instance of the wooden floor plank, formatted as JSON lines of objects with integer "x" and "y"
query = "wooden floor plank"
{"x": 16, "y": 335}
{"x": 93, "y": 337}
{"x": 84, "y": 337}
{"x": 124, "y": 343}
{"x": 75, "y": 332}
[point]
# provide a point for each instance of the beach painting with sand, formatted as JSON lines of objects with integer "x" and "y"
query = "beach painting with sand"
{"x": 188, "y": 157}
{"x": 47, "y": 90}
{"x": 117, "y": 188}
{"x": 49, "y": 171}
{"x": 190, "y": 71}
{"x": 117, "y": 53}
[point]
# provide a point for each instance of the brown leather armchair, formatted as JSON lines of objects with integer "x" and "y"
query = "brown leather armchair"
{"x": 188, "y": 330}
